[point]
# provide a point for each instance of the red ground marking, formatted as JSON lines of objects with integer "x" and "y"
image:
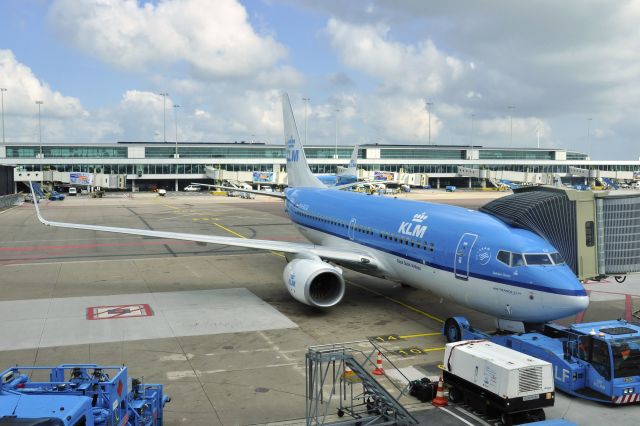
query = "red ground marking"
{"x": 119, "y": 311}
{"x": 627, "y": 307}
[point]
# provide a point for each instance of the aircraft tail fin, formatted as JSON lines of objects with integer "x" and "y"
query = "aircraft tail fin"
{"x": 298, "y": 172}
{"x": 352, "y": 169}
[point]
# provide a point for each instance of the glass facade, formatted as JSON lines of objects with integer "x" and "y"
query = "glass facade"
{"x": 501, "y": 154}
{"x": 453, "y": 154}
{"x": 67, "y": 151}
{"x": 576, "y": 156}
{"x": 240, "y": 152}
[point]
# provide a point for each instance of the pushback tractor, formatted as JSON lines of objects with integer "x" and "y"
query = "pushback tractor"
{"x": 78, "y": 395}
{"x": 599, "y": 361}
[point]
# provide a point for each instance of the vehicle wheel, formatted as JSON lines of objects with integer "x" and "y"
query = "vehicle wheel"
{"x": 506, "y": 419}
{"x": 340, "y": 413}
{"x": 536, "y": 416}
{"x": 455, "y": 395}
{"x": 452, "y": 330}
{"x": 620, "y": 279}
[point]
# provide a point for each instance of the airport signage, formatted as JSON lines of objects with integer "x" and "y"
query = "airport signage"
{"x": 262, "y": 177}
{"x": 383, "y": 176}
{"x": 81, "y": 178}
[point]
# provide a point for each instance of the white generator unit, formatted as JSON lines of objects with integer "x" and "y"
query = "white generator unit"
{"x": 494, "y": 378}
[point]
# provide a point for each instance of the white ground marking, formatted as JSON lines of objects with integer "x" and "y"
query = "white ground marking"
{"x": 63, "y": 321}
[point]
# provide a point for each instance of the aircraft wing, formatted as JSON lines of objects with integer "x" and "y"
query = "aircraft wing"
{"x": 338, "y": 255}
{"x": 251, "y": 191}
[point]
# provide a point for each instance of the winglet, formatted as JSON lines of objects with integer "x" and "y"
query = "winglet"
{"x": 35, "y": 203}
{"x": 298, "y": 172}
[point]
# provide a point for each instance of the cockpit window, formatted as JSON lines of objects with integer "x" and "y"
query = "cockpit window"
{"x": 517, "y": 259}
{"x": 510, "y": 259}
{"x": 504, "y": 257}
{"x": 538, "y": 259}
{"x": 557, "y": 259}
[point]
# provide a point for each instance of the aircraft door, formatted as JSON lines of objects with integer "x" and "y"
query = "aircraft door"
{"x": 352, "y": 230}
{"x": 463, "y": 255}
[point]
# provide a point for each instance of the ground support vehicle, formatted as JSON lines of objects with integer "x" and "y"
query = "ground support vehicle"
{"x": 56, "y": 196}
{"x": 598, "y": 361}
{"x": 78, "y": 394}
{"x": 497, "y": 380}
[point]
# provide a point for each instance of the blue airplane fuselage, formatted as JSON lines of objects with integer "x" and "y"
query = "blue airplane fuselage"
{"x": 449, "y": 250}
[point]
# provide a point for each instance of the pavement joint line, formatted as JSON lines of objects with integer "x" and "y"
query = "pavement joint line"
{"x": 403, "y": 304}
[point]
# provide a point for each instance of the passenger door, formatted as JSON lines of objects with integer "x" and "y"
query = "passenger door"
{"x": 463, "y": 255}
{"x": 351, "y": 230}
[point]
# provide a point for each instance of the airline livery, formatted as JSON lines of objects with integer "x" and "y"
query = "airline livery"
{"x": 466, "y": 256}
{"x": 344, "y": 177}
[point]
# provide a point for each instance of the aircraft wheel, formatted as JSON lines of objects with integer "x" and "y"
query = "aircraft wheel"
{"x": 620, "y": 278}
{"x": 452, "y": 330}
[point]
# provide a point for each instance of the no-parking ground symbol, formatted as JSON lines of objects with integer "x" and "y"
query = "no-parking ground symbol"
{"x": 119, "y": 311}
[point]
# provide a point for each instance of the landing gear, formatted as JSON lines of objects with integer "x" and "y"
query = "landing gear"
{"x": 452, "y": 330}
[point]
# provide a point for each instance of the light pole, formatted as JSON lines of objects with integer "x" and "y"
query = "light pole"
{"x": 306, "y": 101}
{"x": 589, "y": 136}
{"x": 510, "y": 108}
{"x": 472, "y": 117}
{"x": 39, "y": 126}
{"x": 336, "y": 153}
{"x": 164, "y": 113}
{"x": 2, "y": 90}
{"x": 429, "y": 104}
{"x": 175, "y": 110}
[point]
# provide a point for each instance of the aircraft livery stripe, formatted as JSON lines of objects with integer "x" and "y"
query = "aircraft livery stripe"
{"x": 527, "y": 286}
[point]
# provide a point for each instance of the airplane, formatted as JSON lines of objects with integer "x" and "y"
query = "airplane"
{"x": 462, "y": 255}
{"x": 343, "y": 177}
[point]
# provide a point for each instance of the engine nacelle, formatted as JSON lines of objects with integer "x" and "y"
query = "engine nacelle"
{"x": 314, "y": 282}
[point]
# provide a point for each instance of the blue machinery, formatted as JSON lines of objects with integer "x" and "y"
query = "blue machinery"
{"x": 599, "y": 361}
{"x": 78, "y": 395}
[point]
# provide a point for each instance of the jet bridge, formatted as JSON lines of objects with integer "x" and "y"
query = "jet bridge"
{"x": 597, "y": 233}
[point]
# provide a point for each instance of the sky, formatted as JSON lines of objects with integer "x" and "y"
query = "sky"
{"x": 492, "y": 73}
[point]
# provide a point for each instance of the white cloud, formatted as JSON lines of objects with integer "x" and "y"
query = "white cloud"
{"x": 413, "y": 68}
{"x": 214, "y": 37}
{"x": 24, "y": 89}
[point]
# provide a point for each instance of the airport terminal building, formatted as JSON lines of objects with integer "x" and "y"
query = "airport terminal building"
{"x": 143, "y": 165}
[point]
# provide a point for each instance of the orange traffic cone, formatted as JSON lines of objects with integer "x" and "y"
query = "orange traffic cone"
{"x": 440, "y": 400}
{"x": 379, "y": 371}
{"x": 348, "y": 372}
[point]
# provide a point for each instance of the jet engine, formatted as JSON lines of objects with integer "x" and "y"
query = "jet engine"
{"x": 314, "y": 282}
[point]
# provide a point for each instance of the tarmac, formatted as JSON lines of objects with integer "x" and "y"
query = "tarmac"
{"x": 215, "y": 324}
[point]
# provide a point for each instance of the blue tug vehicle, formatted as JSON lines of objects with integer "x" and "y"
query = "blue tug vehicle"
{"x": 78, "y": 395}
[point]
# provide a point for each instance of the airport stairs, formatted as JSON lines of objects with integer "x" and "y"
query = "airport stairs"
{"x": 339, "y": 381}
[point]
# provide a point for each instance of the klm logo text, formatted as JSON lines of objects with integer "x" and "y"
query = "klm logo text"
{"x": 412, "y": 229}
{"x": 292, "y": 154}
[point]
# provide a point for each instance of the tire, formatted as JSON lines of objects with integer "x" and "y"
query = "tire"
{"x": 452, "y": 331}
{"x": 455, "y": 395}
{"x": 506, "y": 419}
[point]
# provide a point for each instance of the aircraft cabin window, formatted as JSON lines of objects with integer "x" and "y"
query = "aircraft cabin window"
{"x": 504, "y": 257}
{"x": 538, "y": 259}
{"x": 431, "y": 247}
{"x": 557, "y": 259}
